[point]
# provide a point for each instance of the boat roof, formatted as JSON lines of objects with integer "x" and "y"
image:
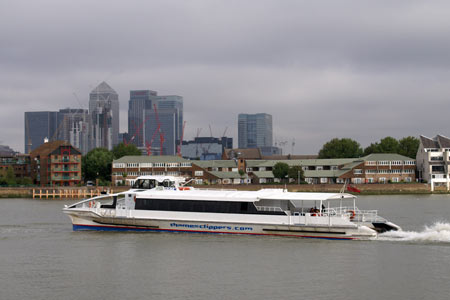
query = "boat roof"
{"x": 239, "y": 196}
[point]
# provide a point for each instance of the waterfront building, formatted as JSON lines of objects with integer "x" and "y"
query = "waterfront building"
{"x": 373, "y": 168}
{"x": 40, "y": 125}
{"x": 126, "y": 169}
{"x": 56, "y": 164}
{"x": 255, "y": 130}
{"x": 104, "y": 115}
{"x": 433, "y": 160}
{"x": 206, "y": 148}
{"x": 20, "y": 163}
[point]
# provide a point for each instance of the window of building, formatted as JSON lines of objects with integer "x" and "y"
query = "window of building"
{"x": 383, "y": 163}
{"x": 382, "y": 180}
{"x": 323, "y": 180}
{"x": 370, "y": 163}
{"x": 357, "y": 180}
{"x": 319, "y": 168}
{"x": 395, "y": 179}
{"x": 198, "y": 173}
{"x": 396, "y": 162}
{"x": 357, "y": 171}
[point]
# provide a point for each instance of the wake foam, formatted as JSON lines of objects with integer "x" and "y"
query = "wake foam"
{"x": 439, "y": 232}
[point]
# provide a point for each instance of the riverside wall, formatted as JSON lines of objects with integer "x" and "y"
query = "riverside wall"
{"x": 366, "y": 189}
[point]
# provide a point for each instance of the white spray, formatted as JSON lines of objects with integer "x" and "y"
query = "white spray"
{"x": 439, "y": 232}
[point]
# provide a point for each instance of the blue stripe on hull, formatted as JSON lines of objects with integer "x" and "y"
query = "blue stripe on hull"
{"x": 141, "y": 229}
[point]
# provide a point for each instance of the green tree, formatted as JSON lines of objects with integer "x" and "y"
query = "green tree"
{"x": 295, "y": 171}
{"x": 389, "y": 145}
{"x": 122, "y": 150}
{"x": 10, "y": 177}
{"x": 373, "y": 148}
{"x": 280, "y": 170}
{"x": 408, "y": 146}
{"x": 341, "y": 148}
{"x": 386, "y": 145}
{"x": 96, "y": 164}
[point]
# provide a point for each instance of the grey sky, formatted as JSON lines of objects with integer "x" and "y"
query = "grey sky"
{"x": 323, "y": 69}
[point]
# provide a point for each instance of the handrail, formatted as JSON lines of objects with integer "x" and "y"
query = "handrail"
{"x": 268, "y": 208}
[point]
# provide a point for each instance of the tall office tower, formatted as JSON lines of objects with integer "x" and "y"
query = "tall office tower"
{"x": 75, "y": 128}
{"x": 104, "y": 112}
{"x": 170, "y": 116}
{"x": 140, "y": 100}
{"x": 40, "y": 125}
{"x": 255, "y": 130}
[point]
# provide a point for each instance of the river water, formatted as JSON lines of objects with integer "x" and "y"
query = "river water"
{"x": 42, "y": 258}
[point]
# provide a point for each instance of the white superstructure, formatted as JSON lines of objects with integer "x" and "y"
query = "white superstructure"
{"x": 162, "y": 203}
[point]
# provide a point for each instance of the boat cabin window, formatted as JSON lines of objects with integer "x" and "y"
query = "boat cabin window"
{"x": 144, "y": 184}
{"x": 167, "y": 183}
{"x": 152, "y": 183}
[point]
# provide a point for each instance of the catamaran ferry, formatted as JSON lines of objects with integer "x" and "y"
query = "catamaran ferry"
{"x": 165, "y": 203}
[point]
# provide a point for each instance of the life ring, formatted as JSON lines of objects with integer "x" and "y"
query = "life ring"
{"x": 353, "y": 214}
{"x": 184, "y": 188}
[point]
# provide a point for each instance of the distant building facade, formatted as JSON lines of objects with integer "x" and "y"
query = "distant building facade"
{"x": 20, "y": 163}
{"x": 140, "y": 101}
{"x": 74, "y": 128}
{"x": 206, "y": 148}
{"x": 56, "y": 164}
{"x": 38, "y": 126}
{"x": 149, "y": 129}
{"x": 104, "y": 115}
{"x": 255, "y": 131}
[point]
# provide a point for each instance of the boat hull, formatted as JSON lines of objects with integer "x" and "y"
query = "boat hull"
{"x": 93, "y": 222}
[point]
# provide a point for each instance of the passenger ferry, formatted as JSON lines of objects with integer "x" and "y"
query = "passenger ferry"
{"x": 165, "y": 203}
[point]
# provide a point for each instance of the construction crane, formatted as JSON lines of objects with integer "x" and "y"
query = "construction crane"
{"x": 138, "y": 131}
{"x": 181, "y": 140}
{"x": 158, "y": 130}
{"x": 198, "y": 134}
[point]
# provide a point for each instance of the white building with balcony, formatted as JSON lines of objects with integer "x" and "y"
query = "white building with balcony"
{"x": 433, "y": 160}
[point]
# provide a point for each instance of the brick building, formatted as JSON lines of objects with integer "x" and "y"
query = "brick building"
{"x": 56, "y": 164}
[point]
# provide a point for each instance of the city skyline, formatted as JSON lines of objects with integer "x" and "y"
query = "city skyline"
{"x": 319, "y": 69}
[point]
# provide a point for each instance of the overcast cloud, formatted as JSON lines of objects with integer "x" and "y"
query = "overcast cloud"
{"x": 323, "y": 69}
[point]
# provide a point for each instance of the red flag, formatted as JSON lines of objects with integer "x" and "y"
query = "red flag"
{"x": 353, "y": 189}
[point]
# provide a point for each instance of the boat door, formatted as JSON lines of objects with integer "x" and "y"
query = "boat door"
{"x": 126, "y": 204}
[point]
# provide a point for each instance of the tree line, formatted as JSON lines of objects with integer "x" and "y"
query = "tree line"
{"x": 348, "y": 148}
{"x": 97, "y": 163}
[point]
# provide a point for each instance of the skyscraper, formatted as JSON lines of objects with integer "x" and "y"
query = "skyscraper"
{"x": 143, "y": 120}
{"x": 140, "y": 100}
{"x": 75, "y": 128}
{"x": 38, "y": 126}
{"x": 255, "y": 130}
{"x": 104, "y": 114}
{"x": 170, "y": 117}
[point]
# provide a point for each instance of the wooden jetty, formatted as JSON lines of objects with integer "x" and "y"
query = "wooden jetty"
{"x": 68, "y": 193}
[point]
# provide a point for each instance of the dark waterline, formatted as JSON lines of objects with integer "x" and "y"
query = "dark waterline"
{"x": 42, "y": 258}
